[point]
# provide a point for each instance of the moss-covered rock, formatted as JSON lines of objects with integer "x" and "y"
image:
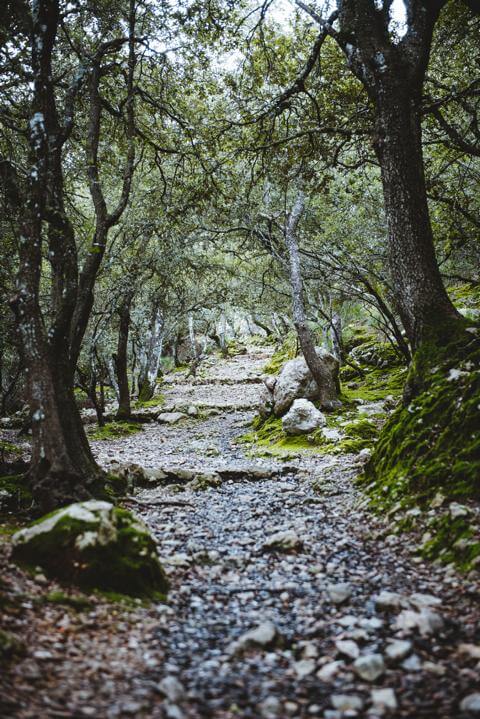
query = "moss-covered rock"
{"x": 431, "y": 444}
{"x": 95, "y": 546}
{"x": 376, "y": 354}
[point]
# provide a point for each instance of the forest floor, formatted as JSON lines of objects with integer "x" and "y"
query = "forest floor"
{"x": 347, "y": 588}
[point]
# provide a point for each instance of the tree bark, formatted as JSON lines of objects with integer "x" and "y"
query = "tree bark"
{"x": 62, "y": 467}
{"x": 151, "y": 360}
{"x": 422, "y": 301}
{"x": 392, "y": 70}
{"x": 323, "y": 378}
{"x": 121, "y": 360}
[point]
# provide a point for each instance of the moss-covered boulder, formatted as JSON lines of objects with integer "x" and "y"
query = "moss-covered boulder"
{"x": 94, "y": 545}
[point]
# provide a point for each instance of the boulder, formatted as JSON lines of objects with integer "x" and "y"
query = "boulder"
{"x": 94, "y": 545}
{"x": 302, "y": 418}
{"x": 296, "y": 382}
{"x": 171, "y": 417}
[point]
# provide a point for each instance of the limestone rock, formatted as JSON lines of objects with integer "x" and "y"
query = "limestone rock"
{"x": 205, "y": 480}
{"x": 398, "y": 649}
{"x": 296, "y": 382}
{"x": 369, "y": 667}
{"x": 171, "y": 417}
{"x": 263, "y": 636}
{"x": 339, "y": 593}
{"x": 304, "y": 667}
{"x": 471, "y": 704}
{"x": 94, "y": 545}
{"x": 384, "y": 699}
{"x": 302, "y": 418}
{"x": 348, "y": 648}
{"x": 346, "y": 702}
{"x": 426, "y": 621}
{"x": 329, "y": 671}
{"x": 389, "y": 600}
{"x": 286, "y": 541}
{"x": 172, "y": 689}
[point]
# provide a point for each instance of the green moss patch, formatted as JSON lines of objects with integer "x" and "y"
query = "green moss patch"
{"x": 79, "y": 602}
{"x": 375, "y": 385}
{"x": 115, "y": 430}
{"x": 286, "y": 351}
{"x": 157, "y": 401}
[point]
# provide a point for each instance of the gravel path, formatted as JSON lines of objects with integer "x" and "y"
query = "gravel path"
{"x": 285, "y": 601}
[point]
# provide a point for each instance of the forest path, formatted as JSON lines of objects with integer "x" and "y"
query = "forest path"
{"x": 314, "y": 607}
{"x": 226, "y": 581}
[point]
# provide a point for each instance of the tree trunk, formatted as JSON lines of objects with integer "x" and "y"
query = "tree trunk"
{"x": 421, "y": 298}
{"x": 323, "y": 378}
{"x": 121, "y": 360}
{"x": 336, "y": 335}
{"x": 62, "y": 467}
{"x": 151, "y": 361}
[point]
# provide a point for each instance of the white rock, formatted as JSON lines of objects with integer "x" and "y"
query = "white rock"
{"x": 458, "y": 510}
{"x": 271, "y": 707}
{"x": 384, "y": 699}
{"x": 388, "y": 600}
{"x": 369, "y": 667}
{"x": 424, "y": 600}
{"x": 348, "y": 647}
{"x": 339, "y": 593}
{"x": 286, "y": 540}
{"x": 330, "y": 670}
{"x": 412, "y": 663}
{"x": 398, "y": 649}
{"x": 346, "y": 702}
{"x": 426, "y": 621}
{"x": 295, "y": 381}
{"x": 471, "y": 703}
{"x": 262, "y": 636}
{"x": 302, "y": 418}
{"x": 172, "y": 689}
{"x": 171, "y": 417}
{"x": 304, "y": 667}
{"x": 472, "y": 650}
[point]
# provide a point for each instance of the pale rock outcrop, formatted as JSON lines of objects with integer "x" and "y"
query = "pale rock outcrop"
{"x": 302, "y": 418}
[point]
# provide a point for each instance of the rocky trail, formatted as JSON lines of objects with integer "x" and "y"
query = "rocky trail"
{"x": 286, "y": 601}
